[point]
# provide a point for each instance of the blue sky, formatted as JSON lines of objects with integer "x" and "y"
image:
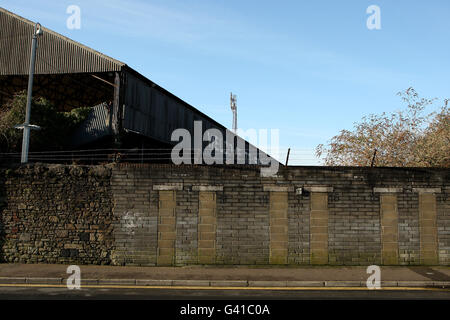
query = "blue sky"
{"x": 307, "y": 68}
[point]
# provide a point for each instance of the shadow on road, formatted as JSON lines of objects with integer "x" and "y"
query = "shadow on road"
{"x": 430, "y": 273}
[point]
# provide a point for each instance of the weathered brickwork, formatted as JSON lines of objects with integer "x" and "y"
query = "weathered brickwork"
{"x": 141, "y": 214}
{"x": 389, "y": 229}
{"x": 443, "y": 225}
{"x": 136, "y": 211}
{"x": 298, "y": 229}
{"x": 354, "y": 224}
{"x": 207, "y": 224}
{"x": 319, "y": 228}
{"x": 428, "y": 229}
{"x": 187, "y": 220}
{"x": 242, "y": 222}
{"x": 167, "y": 228}
{"x": 408, "y": 228}
{"x": 279, "y": 235}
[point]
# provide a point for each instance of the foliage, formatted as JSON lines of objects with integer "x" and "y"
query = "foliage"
{"x": 406, "y": 138}
{"x": 56, "y": 126}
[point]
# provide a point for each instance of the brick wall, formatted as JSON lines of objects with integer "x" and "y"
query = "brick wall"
{"x": 443, "y": 225}
{"x": 408, "y": 228}
{"x": 177, "y": 215}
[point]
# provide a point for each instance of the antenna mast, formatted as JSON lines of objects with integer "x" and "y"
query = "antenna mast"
{"x": 234, "y": 109}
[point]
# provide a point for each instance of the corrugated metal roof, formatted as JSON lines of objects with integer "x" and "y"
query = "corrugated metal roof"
{"x": 53, "y": 51}
{"x": 153, "y": 113}
{"x": 148, "y": 108}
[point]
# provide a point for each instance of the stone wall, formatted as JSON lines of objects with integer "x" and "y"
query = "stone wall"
{"x": 57, "y": 214}
{"x": 131, "y": 214}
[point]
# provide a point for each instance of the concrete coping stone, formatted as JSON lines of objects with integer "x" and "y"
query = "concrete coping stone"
{"x": 442, "y": 284}
{"x": 191, "y": 283}
{"x": 229, "y": 283}
{"x": 275, "y": 188}
{"x": 426, "y": 190}
{"x": 44, "y": 280}
{"x": 16, "y": 280}
{"x": 117, "y": 281}
{"x": 207, "y": 188}
{"x": 224, "y": 283}
{"x": 386, "y": 283}
{"x": 344, "y": 283}
{"x": 153, "y": 283}
{"x": 318, "y": 188}
{"x": 267, "y": 283}
{"x": 388, "y": 190}
{"x": 305, "y": 283}
{"x": 168, "y": 186}
{"x": 415, "y": 283}
{"x": 89, "y": 281}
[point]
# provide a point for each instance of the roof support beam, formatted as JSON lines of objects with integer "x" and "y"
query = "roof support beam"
{"x": 116, "y": 109}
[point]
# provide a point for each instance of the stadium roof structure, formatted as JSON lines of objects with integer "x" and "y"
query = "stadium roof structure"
{"x": 71, "y": 75}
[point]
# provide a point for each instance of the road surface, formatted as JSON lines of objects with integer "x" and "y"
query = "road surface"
{"x": 30, "y": 292}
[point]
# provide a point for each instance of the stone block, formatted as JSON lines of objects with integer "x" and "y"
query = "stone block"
{"x": 166, "y": 228}
{"x": 207, "y": 236}
{"x": 206, "y": 244}
{"x": 319, "y": 201}
{"x": 319, "y": 257}
{"x": 167, "y": 220}
{"x": 207, "y": 220}
{"x": 319, "y": 222}
{"x": 278, "y": 245}
{"x": 166, "y": 251}
{"x": 167, "y": 235}
{"x": 207, "y": 212}
{"x": 206, "y": 228}
{"x": 322, "y": 237}
{"x": 206, "y": 259}
{"x": 278, "y": 259}
{"x": 206, "y": 252}
{"x": 319, "y": 214}
{"x": 165, "y": 260}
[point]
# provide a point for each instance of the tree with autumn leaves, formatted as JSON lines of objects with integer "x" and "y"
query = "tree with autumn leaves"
{"x": 405, "y": 138}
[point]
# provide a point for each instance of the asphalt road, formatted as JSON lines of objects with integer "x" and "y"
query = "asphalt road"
{"x": 37, "y": 293}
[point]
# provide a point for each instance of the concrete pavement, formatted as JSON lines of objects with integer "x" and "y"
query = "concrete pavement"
{"x": 226, "y": 276}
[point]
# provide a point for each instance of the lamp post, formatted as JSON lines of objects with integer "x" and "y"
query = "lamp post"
{"x": 26, "y": 126}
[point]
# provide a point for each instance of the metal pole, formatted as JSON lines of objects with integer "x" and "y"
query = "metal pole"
{"x": 287, "y": 156}
{"x": 234, "y": 109}
{"x": 26, "y": 128}
{"x": 373, "y": 158}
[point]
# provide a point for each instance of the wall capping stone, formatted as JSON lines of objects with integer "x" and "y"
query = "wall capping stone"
{"x": 426, "y": 190}
{"x": 168, "y": 186}
{"x": 318, "y": 188}
{"x": 275, "y": 188}
{"x": 388, "y": 190}
{"x": 207, "y": 188}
